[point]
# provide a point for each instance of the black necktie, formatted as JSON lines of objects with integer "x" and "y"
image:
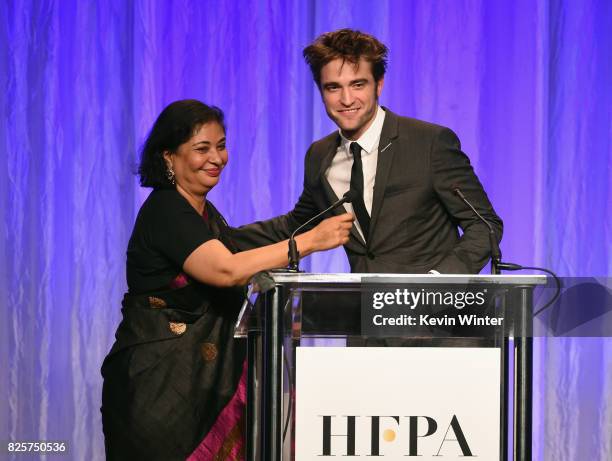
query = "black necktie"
{"x": 357, "y": 185}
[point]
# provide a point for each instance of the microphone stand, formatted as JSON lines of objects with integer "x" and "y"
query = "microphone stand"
{"x": 496, "y": 255}
{"x": 497, "y": 264}
{"x": 294, "y": 254}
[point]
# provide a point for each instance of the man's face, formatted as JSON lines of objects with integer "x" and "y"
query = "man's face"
{"x": 350, "y": 95}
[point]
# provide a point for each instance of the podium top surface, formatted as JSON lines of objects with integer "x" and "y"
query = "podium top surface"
{"x": 303, "y": 278}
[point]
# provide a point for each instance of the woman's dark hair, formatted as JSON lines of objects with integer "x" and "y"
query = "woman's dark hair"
{"x": 177, "y": 123}
{"x": 349, "y": 45}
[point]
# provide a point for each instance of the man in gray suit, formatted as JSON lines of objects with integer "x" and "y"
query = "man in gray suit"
{"x": 404, "y": 172}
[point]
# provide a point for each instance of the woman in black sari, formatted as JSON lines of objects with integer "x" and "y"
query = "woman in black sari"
{"x": 174, "y": 379}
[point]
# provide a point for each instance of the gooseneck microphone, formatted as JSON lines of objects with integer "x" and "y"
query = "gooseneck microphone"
{"x": 495, "y": 250}
{"x": 294, "y": 254}
{"x": 496, "y": 263}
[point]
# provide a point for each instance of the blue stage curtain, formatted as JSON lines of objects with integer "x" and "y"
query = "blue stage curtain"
{"x": 526, "y": 85}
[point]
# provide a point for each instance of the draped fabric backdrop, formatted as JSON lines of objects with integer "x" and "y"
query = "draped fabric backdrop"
{"x": 526, "y": 85}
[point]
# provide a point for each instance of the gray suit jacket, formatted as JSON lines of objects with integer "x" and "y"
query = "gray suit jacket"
{"x": 415, "y": 214}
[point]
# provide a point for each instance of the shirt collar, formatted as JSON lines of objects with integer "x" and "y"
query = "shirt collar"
{"x": 370, "y": 139}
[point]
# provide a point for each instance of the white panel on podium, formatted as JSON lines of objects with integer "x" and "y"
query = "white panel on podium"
{"x": 397, "y": 403}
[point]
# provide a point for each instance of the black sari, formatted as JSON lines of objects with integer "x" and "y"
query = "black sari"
{"x": 174, "y": 379}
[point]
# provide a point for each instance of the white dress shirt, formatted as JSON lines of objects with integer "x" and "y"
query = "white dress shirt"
{"x": 339, "y": 172}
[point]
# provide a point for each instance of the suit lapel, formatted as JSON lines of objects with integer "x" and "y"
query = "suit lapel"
{"x": 328, "y": 156}
{"x": 331, "y": 149}
{"x": 386, "y": 151}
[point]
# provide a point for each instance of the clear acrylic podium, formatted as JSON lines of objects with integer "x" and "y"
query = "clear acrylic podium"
{"x": 287, "y": 311}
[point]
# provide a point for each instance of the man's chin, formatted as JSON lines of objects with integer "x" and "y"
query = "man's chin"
{"x": 350, "y": 130}
{"x": 348, "y": 127}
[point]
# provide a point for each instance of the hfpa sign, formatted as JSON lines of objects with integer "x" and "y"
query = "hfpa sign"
{"x": 414, "y": 428}
{"x": 396, "y": 403}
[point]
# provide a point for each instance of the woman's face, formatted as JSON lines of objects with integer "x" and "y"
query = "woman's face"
{"x": 198, "y": 163}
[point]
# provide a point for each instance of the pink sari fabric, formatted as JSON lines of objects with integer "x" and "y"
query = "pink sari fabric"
{"x": 226, "y": 439}
{"x": 179, "y": 281}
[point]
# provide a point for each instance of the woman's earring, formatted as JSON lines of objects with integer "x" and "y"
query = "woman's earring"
{"x": 170, "y": 174}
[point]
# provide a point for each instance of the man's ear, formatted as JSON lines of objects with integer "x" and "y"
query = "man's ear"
{"x": 379, "y": 86}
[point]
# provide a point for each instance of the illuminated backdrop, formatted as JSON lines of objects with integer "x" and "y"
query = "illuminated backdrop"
{"x": 527, "y": 85}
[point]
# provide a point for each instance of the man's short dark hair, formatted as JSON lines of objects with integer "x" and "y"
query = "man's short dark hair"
{"x": 177, "y": 123}
{"x": 349, "y": 45}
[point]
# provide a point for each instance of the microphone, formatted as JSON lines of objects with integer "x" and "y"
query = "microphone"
{"x": 496, "y": 262}
{"x": 294, "y": 254}
{"x": 495, "y": 250}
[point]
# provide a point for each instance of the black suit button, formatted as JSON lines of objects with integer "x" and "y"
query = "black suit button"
{"x": 370, "y": 255}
